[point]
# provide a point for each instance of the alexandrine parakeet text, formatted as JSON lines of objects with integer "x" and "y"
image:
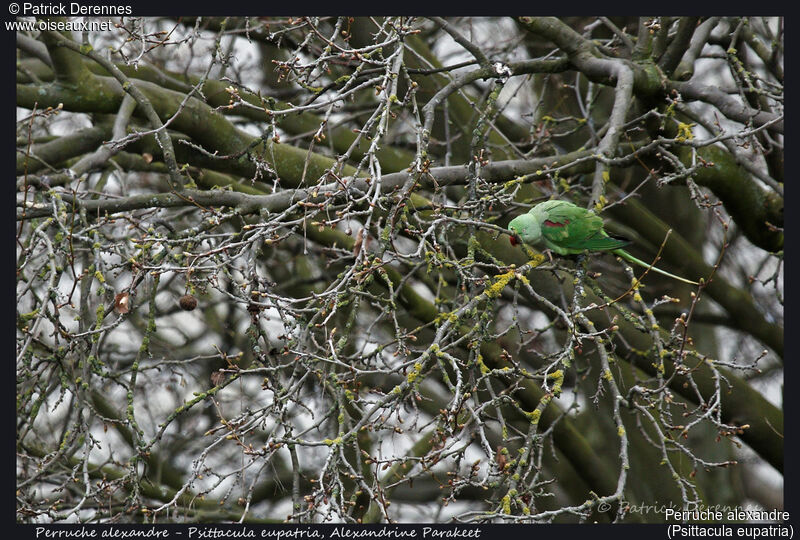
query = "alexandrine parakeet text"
{"x": 568, "y": 229}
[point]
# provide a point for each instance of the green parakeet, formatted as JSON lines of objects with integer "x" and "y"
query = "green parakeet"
{"x": 568, "y": 229}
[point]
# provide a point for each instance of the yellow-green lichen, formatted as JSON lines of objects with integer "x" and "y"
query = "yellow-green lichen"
{"x": 684, "y": 132}
{"x": 496, "y": 288}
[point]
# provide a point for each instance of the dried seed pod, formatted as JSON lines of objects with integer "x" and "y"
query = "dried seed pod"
{"x": 217, "y": 377}
{"x": 359, "y": 241}
{"x": 122, "y": 303}
{"x": 187, "y": 302}
{"x": 254, "y": 309}
{"x": 501, "y": 458}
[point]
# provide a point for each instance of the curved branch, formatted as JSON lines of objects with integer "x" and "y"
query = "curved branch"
{"x": 623, "y": 95}
{"x": 587, "y": 58}
{"x": 685, "y": 68}
{"x": 67, "y": 66}
{"x": 196, "y": 119}
{"x": 341, "y": 136}
{"x": 517, "y": 68}
{"x": 132, "y": 89}
{"x": 474, "y": 50}
{"x": 34, "y": 48}
{"x": 764, "y": 53}
{"x": 680, "y": 43}
{"x": 727, "y": 105}
{"x": 53, "y": 152}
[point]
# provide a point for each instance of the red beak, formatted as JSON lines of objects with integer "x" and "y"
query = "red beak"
{"x": 513, "y": 240}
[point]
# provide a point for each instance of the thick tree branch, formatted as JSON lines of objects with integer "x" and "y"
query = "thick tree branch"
{"x": 680, "y": 42}
{"x": 585, "y": 57}
{"x": 685, "y": 68}
{"x": 152, "y": 116}
{"x": 727, "y": 105}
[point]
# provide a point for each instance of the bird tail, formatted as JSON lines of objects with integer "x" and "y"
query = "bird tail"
{"x": 628, "y": 257}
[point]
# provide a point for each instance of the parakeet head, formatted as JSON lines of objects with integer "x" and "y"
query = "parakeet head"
{"x": 526, "y": 227}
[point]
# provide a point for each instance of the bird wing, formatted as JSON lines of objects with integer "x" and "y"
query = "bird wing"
{"x": 575, "y": 228}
